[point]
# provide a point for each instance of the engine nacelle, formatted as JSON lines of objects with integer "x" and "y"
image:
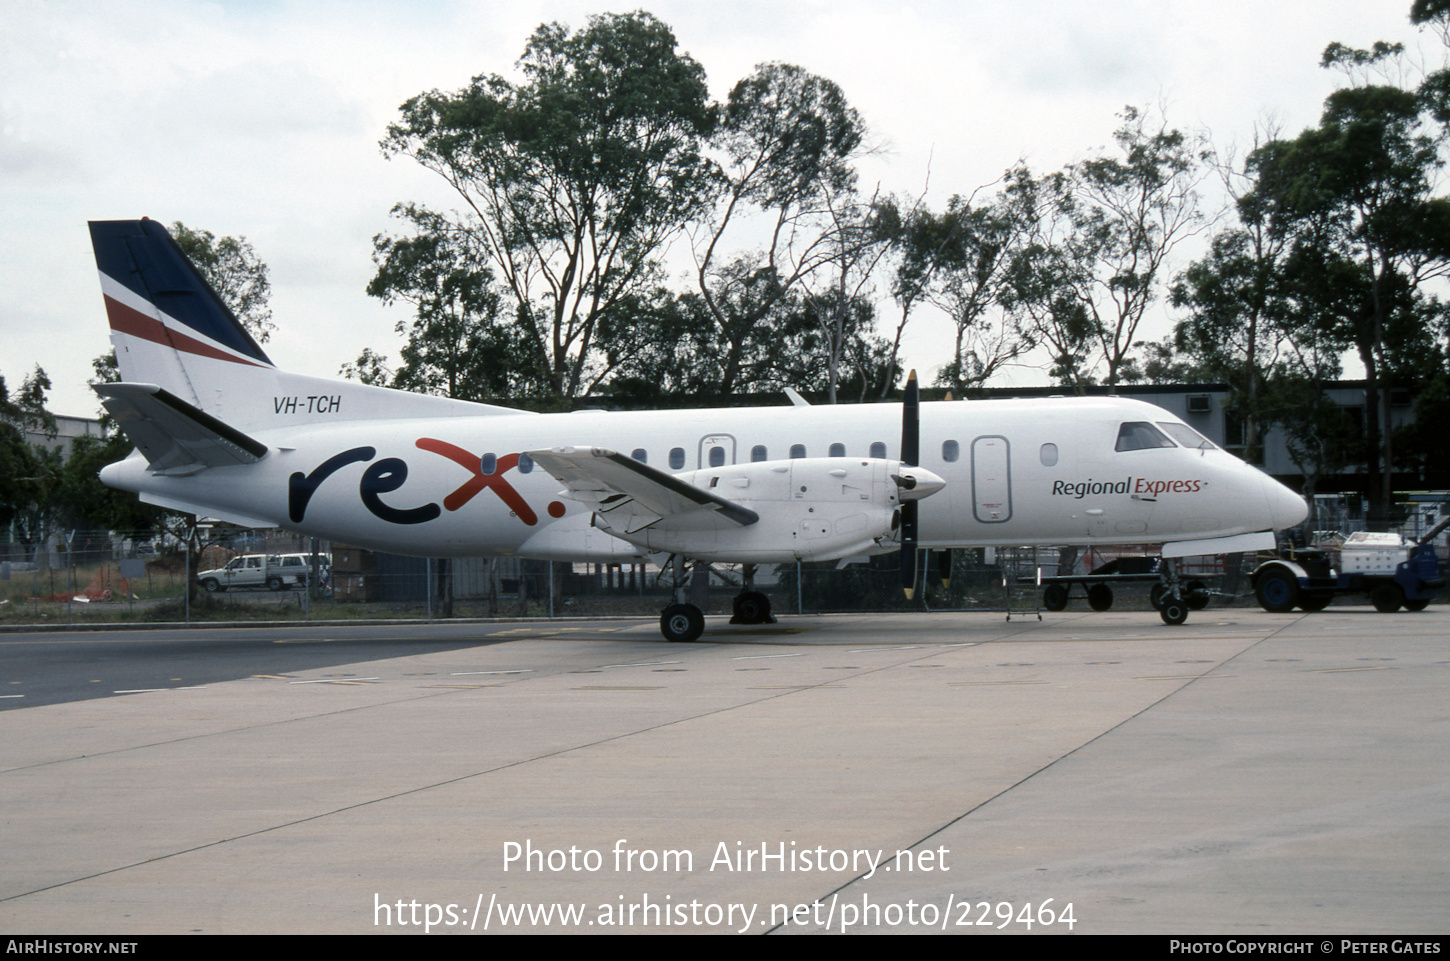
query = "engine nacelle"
{"x": 809, "y": 509}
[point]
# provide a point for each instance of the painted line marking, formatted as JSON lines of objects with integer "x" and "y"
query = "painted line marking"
{"x": 757, "y": 657}
{"x": 875, "y": 650}
{"x": 337, "y": 680}
{"x": 1346, "y": 670}
{"x": 1182, "y": 677}
{"x": 601, "y": 687}
{"x": 470, "y": 673}
{"x": 606, "y": 667}
{"x": 984, "y": 683}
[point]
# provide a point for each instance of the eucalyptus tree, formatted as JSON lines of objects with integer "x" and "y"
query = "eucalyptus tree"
{"x": 960, "y": 261}
{"x": 235, "y": 272}
{"x": 785, "y": 149}
{"x": 1357, "y": 198}
{"x": 1127, "y": 214}
{"x": 571, "y": 182}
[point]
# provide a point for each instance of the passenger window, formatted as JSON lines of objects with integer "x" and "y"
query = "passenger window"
{"x": 717, "y": 457}
{"x": 639, "y": 455}
{"x": 950, "y": 451}
{"x": 677, "y": 458}
{"x": 757, "y": 454}
{"x": 487, "y": 464}
{"x": 878, "y": 450}
{"x": 837, "y": 450}
{"x": 1141, "y": 435}
{"x": 526, "y": 464}
{"x": 1048, "y": 455}
{"x": 797, "y": 451}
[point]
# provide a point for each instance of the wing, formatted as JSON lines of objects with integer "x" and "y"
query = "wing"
{"x": 175, "y": 437}
{"x": 628, "y": 496}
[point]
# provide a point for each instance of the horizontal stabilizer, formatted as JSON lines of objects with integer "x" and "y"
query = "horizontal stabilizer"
{"x": 630, "y": 495}
{"x": 174, "y": 436}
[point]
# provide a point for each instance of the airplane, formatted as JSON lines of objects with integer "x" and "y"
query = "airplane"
{"x": 221, "y": 431}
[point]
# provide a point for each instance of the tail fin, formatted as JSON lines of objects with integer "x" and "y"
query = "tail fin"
{"x": 161, "y": 310}
{"x": 171, "y": 330}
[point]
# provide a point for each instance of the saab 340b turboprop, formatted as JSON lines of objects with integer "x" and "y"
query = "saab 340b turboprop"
{"x": 220, "y": 431}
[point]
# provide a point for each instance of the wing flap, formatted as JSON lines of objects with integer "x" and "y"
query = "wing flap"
{"x": 175, "y": 437}
{"x": 630, "y": 496}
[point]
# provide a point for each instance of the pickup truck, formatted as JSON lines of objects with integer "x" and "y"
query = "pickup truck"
{"x": 255, "y": 571}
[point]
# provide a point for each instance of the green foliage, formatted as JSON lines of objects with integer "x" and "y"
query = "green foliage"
{"x": 456, "y": 344}
{"x": 235, "y": 272}
{"x": 787, "y": 140}
{"x": 962, "y": 261}
{"x": 572, "y": 181}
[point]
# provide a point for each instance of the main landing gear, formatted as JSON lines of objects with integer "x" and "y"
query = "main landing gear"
{"x": 750, "y": 605}
{"x": 681, "y": 621}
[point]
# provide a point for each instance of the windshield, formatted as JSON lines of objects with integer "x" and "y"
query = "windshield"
{"x": 1141, "y": 435}
{"x": 1187, "y": 436}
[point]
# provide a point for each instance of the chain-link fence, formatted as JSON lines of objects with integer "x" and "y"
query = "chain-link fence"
{"x": 75, "y": 577}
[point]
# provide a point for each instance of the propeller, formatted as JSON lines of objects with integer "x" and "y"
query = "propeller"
{"x": 910, "y": 457}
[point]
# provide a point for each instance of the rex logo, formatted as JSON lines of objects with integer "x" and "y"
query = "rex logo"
{"x": 391, "y": 473}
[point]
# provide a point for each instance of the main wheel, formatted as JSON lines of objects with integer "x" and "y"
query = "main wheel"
{"x": 1054, "y": 598}
{"x": 211, "y": 585}
{"x": 1313, "y": 601}
{"x": 1174, "y": 610}
{"x": 752, "y": 607}
{"x": 1388, "y": 598}
{"x": 1419, "y": 604}
{"x": 1277, "y": 590}
{"x": 1156, "y": 595}
{"x": 1100, "y": 597}
{"x": 274, "y": 583}
{"x": 1197, "y": 596}
{"x": 682, "y": 622}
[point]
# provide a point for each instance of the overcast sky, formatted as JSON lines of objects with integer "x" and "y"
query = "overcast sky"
{"x": 261, "y": 118}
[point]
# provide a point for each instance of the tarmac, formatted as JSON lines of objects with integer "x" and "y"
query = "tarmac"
{"x": 1245, "y": 773}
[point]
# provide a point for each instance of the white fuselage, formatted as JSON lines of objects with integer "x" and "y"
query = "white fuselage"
{"x": 1019, "y": 472}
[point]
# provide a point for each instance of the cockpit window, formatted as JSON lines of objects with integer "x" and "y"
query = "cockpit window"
{"x": 1187, "y": 436}
{"x": 1141, "y": 435}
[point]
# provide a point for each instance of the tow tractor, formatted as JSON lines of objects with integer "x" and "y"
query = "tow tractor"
{"x": 1394, "y": 573}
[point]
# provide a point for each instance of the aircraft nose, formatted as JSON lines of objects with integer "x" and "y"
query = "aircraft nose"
{"x": 1286, "y": 508}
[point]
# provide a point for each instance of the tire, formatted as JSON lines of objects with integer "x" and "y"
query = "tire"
{"x": 1054, "y": 598}
{"x": 1277, "y": 591}
{"x": 274, "y": 583}
{"x": 1156, "y": 595}
{"x": 682, "y": 623}
{"x": 1388, "y": 598}
{"x": 1314, "y": 601}
{"x": 1419, "y": 604}
{"x": 1197, "y": 596}
{"x": 752, "y": 607}
{"x": 211, "y": 585}
{"x": 1100, "y": 597}
{"x": 1174, "y": 610}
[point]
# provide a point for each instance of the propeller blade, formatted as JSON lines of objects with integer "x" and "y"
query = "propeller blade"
{"x": 911, "y": 423}
{"x": 910, "y": 456}
{"x": 944, "y": 567}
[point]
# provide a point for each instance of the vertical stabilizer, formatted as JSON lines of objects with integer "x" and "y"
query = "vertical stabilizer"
{"x": 172, "y": 331}
{"x": 162, "y": 313}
